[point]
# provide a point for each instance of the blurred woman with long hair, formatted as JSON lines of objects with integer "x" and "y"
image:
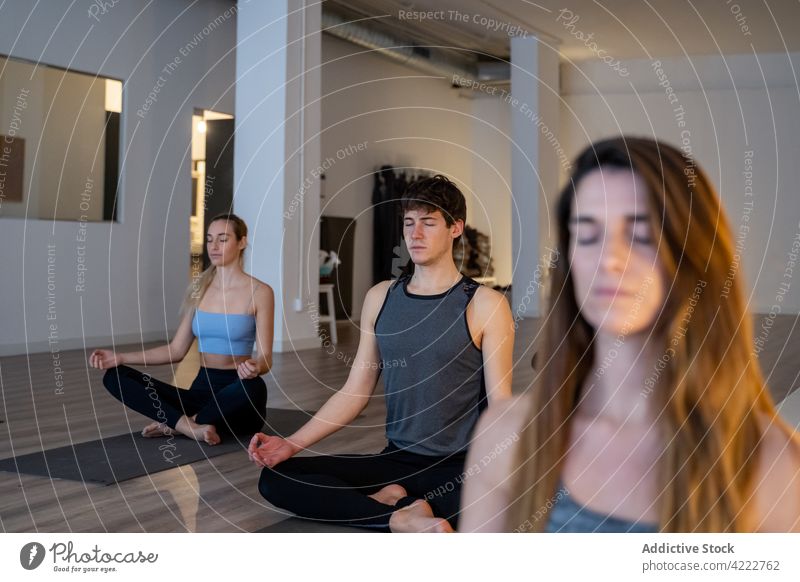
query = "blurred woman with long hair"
{"x": 650, "y": 412}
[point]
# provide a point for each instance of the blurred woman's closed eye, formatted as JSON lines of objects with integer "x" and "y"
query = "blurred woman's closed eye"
{"x": 585, "y": 231}
{"x": 641, "y": 232}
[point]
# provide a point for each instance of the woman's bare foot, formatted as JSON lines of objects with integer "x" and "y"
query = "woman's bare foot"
{"x": 199, "y": 432}
{"x": 157, "y": 429}
{"x": 418, "y": 518}
{"x": 390, "y": 494}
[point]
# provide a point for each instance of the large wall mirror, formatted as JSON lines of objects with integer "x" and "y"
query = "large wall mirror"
{"x": 59, "y": 143}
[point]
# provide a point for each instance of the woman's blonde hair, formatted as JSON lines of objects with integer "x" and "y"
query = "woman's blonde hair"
{"x": 710, "y": 398}
{"x": 199, "y": 285}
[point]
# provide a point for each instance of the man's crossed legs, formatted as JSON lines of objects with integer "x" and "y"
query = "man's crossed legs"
{"x": 393, "y": 490}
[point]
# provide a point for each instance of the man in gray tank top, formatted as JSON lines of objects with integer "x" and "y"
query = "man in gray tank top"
{"x": 444, "y": 344}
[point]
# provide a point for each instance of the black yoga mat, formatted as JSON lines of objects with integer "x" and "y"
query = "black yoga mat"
{"x": 126, "y": 456}
{"x": 296, "y": 525}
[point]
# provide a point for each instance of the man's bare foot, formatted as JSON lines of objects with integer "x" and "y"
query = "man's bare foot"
{"x": 418, "y": 518}
{"x": 199, "y": 432}
{"x": 390, "y": 494}
{"x": 157, "y": 429}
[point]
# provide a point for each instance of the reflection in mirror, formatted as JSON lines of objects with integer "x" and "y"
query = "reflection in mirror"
{"x": 59, "y": 143}
{"x": 212, "y": 176}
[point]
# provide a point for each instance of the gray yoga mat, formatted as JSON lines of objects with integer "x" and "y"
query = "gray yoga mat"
{"x": 126, "y": 456}
{"x": 296, "y": 525}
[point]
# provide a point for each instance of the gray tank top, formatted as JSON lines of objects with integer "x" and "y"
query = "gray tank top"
{"x": 433, "y": 372}
{"x": 567, "y": 516}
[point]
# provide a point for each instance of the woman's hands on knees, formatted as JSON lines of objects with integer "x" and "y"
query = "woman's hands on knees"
{"x": 105, "y": 359}
{"x": 268, "y": 451}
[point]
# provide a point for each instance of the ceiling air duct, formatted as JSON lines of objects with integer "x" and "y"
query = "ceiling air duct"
{"x": 430, "y": 59}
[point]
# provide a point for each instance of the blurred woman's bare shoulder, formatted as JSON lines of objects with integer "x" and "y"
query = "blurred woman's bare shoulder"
{"x": 777, "y": 480}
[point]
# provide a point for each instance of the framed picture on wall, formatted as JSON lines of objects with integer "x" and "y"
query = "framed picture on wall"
{"x": 12, "y": 168}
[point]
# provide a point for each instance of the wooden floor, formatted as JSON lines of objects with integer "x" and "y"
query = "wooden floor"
{"x": 218, "y": 494}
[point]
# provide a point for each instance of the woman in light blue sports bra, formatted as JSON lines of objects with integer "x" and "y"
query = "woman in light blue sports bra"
{"x": 650, "y": 412}
{"x": 228, "y": 311}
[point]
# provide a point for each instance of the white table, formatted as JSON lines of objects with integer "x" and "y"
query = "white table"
{"x": 327, "y": 289}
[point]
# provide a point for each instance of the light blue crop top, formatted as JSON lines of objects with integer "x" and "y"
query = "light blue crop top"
{"x": 230, "y": 334}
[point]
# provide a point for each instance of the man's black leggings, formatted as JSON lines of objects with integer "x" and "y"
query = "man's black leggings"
{"x": 218, "y": 397}
{"x": 335, "y": 488}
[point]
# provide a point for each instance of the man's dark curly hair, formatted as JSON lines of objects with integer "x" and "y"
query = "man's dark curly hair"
{"x": 435, "y": 193}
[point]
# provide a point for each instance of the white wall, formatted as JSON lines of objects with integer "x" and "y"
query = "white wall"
{"x": 277, "y": 147}
{"x": 733, "y": 105}
{"x": 137, "y": 269}
{"x": 406, "y": 119}
{"x": 491, "y": 211}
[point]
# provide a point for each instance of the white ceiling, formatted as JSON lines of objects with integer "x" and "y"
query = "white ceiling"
{"x": 623, "y": 28}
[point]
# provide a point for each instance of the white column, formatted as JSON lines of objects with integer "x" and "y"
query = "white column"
{"x": 276, "y": 153}
{"x": 534, "y": 166}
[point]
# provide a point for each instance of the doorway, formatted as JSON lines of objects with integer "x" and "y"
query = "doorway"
{"x": 212, "y": 178}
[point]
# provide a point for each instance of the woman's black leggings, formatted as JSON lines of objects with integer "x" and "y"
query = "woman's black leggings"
{"x": 336, "y": 488}
{"x": 218, "y": 397}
